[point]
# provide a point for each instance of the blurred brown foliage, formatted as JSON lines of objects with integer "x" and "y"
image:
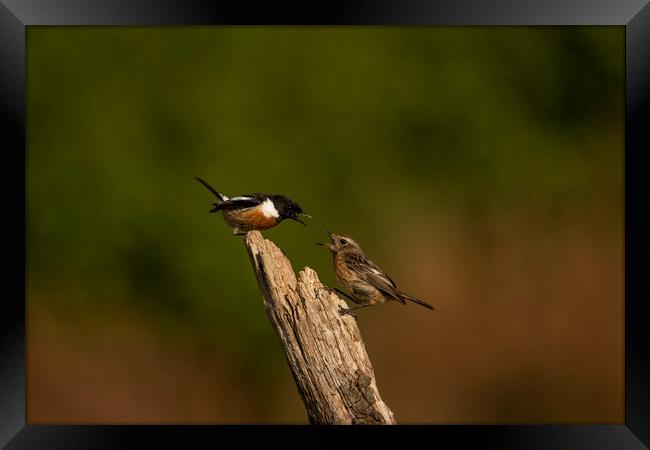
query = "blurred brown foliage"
{"x": 480, "y": 167}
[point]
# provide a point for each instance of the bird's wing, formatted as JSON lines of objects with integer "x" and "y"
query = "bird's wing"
{"x": 369, "y": 272}
{"x": 241, "y": 202}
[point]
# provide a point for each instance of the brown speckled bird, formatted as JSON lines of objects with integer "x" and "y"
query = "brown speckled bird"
{"x": 366, "y": 282}
{"x": 254, "y": 211}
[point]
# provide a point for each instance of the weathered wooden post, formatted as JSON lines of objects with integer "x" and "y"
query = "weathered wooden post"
{"x": 325, "y": 351}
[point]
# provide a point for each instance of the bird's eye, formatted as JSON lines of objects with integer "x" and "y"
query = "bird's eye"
{"x": 343, "y": 242}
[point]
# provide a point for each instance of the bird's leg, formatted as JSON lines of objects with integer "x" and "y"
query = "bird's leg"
{"x": 331, "y": 289}
{"x": 344, "y": 311}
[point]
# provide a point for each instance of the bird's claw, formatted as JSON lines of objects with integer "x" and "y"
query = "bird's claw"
{"x": 346, "y": 312}
{"x": 342, "y": 311}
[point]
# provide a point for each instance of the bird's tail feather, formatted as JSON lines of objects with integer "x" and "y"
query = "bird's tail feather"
{"x": 416, "y": 300}
{"x": 217, "y": 207}
{"x": 220, "y": 197}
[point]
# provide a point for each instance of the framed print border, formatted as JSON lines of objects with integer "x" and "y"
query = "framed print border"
{"x": 16, "y": 15}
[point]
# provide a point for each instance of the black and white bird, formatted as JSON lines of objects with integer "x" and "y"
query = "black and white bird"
{"x": 254, "y": 211}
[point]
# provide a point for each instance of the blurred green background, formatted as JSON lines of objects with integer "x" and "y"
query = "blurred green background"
{"x": 482, "y": 168}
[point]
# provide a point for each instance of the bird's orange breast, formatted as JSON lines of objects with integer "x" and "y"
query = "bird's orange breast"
{"x": 249, "y": 219}
{"x": 344, "y": 275}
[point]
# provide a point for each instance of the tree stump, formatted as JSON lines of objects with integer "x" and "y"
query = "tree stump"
{"x": 325, "y": 351}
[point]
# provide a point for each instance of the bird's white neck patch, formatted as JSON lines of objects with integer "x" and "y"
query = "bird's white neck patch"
{"x": 268, "y": 209}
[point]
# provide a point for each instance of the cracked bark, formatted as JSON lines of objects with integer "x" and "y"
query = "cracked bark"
{"x": 324, "y": 350}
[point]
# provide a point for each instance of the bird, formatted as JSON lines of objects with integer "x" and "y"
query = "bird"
{"x": 367, "y": 283}
{"x": 254, "y": 211}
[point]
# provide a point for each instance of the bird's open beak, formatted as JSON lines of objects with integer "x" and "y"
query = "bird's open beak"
{"x": 330, "y": 246}
{"x": 295, "y": 217}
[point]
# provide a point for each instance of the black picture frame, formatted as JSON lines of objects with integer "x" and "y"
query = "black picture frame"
{"x": 16, "y": 15}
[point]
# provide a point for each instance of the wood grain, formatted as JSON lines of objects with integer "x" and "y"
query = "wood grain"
{"x": 325, "y": 350}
